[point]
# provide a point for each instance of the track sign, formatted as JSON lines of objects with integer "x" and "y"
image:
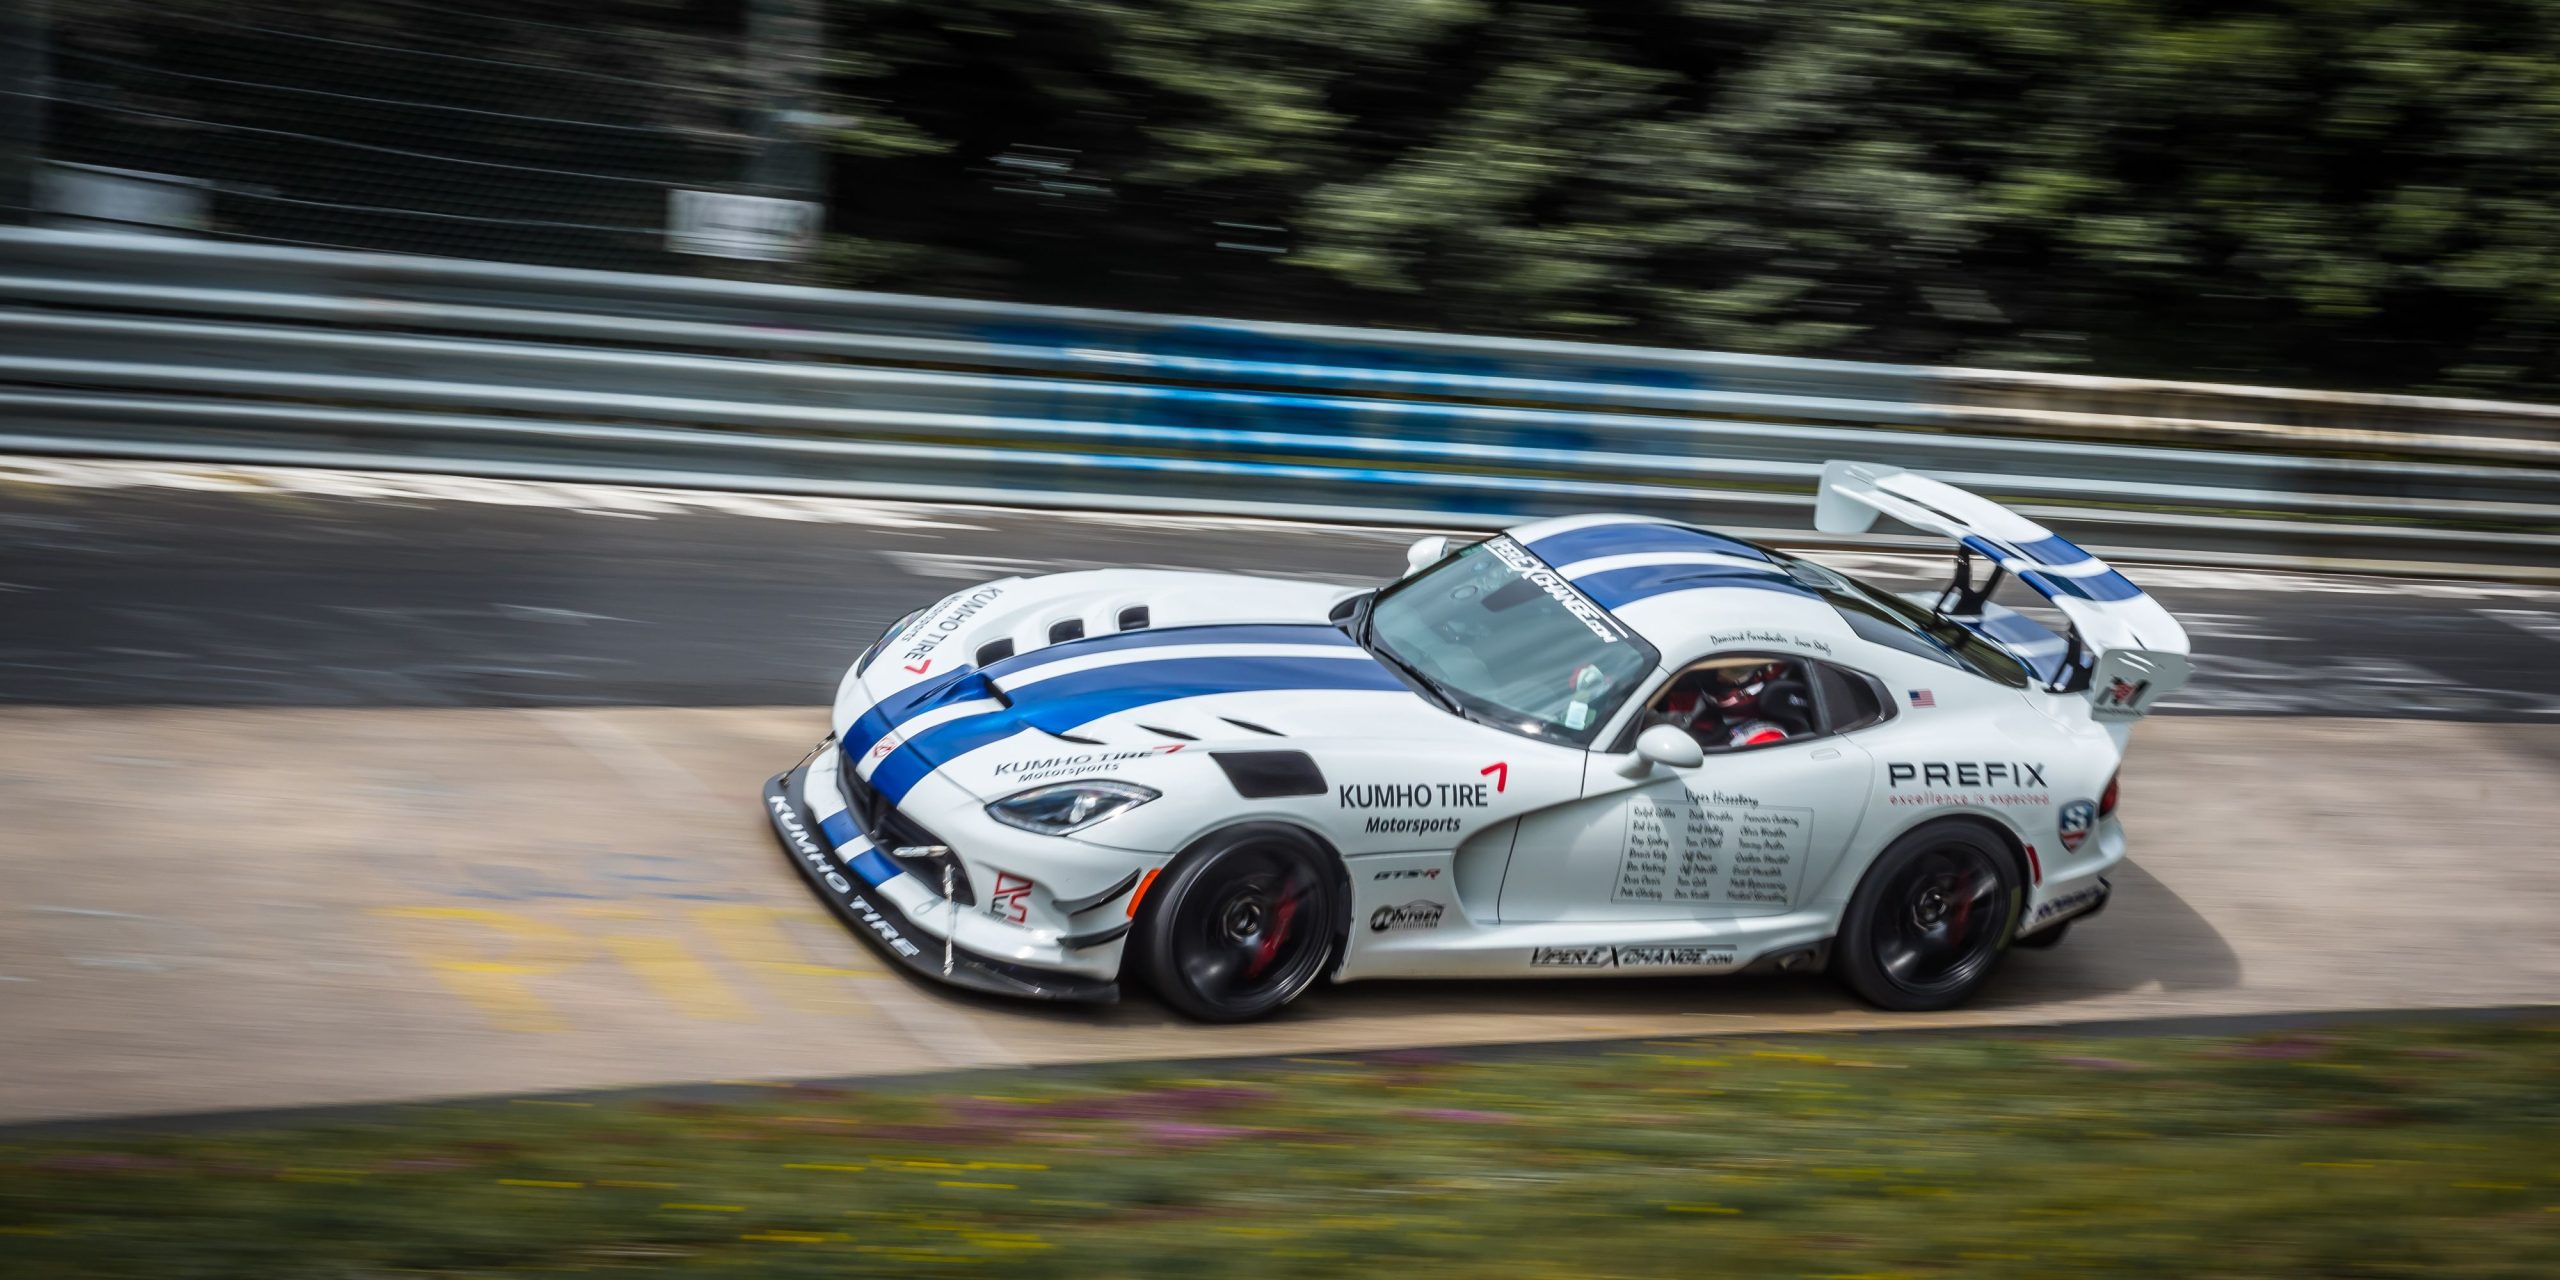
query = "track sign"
{"x": 720, "y": 225}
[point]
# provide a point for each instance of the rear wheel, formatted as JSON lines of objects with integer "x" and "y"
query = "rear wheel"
{"x": 1926, "y": 926}
{"x": 1241, "y": 924}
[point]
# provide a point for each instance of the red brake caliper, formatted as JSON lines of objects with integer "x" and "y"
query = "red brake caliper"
{"x": 1273, "y": 936}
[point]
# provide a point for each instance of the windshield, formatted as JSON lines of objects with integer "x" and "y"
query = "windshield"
{"x": 1510, "y": 643}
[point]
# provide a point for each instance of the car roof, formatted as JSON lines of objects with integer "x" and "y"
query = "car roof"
{"x": 1686, "y": 590}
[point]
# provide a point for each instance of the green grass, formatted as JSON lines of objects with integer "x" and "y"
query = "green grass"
{"x": 2377, "y": 1150}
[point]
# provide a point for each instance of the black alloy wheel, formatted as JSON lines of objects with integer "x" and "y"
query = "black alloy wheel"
{"x": 1930, "y": 920}
{"x": 1240, "y": 924}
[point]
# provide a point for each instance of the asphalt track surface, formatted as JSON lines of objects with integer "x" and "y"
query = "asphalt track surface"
{"x": 262, "y": 589}
{"x": 339, "y": 789}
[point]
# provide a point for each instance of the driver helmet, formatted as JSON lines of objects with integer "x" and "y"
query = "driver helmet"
{"x": 1739, "y": 693}
{"x": 1752, "y": 733}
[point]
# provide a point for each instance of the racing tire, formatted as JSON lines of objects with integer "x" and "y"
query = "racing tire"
{"x": 1929, "y": 922}
{"x": 2042, "y": 939}
{"x": 1241, "y": 924}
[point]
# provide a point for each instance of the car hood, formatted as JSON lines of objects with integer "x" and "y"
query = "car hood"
{"x": 1026, "y": 680}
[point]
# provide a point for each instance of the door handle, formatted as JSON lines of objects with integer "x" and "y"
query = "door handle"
{"x": 1827, "y": 753}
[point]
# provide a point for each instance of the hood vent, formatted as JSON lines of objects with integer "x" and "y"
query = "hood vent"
{"x": 1069, "y": 737}
{"x": 1133, "y": 618}
{"x": 993, "y": 652}
{"x": 1069, "y": 629}
{"x": 1175, "y": 734}
{"x": 1265, "y": 775}
{"x": 1251, "y": 727}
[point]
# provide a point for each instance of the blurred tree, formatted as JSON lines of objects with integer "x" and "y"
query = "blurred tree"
{"x": 2349, "y": 192}
{"x": 2332, "y": 192}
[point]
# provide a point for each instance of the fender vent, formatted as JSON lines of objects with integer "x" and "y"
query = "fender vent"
{"x": 1175, "y": 734}
{"x": 1133, "y": 618}
{"x": 1062, "y": 632}
{"x": 1069, "y": 737}
{"x": 993, "y": 652}
{"x": 1251, "y": 727}
{"x": 1261, "y": 775}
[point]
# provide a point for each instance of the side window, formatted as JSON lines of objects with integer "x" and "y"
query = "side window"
{"x": 1850, "y": 701}
{"x": 1738, "y": 701}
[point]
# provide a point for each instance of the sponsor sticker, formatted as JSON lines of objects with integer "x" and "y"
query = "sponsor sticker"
{"x": 1413, "y": 795}
{"x": 2121, "y": 694}
{"x": 1410, "y": 826}
{"x": 1994, "y": 773}
{"x": 1011, "y": 899}
{"x": 946, "y": 621}
{"x": 2078, "y": 819}
{"x": 1768, "y": 637}
{"x": 1051, "y": 768}
{"x": 1973, "y": 782}
{"x": 1666, "y": 956}
{"x": 2072, "y": 903}
{"x": 1417, "y": 914}
{"x": 794, "y": 831}
{"x": 797, "y": 833}
{"x": 879, "y": 924}
{"x": 1681, "y": 957}
{"x": 1409, "y": 873}
{"x": 1517, "y": 559}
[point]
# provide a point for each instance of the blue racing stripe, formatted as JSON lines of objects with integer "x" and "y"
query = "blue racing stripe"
{"x": 867, "y": 729}
{"x": 1999, "y": 552}
{"x": 2110, "y": 585}
{"x": 839, "y": 825}
{"x": 875, "y": 867}
{"x": 1617, "y": 587}
{"x": 1060, "y": 704}
{"x": 2053, "y": 551}
{"x": 1594, "y": 541}
{"x": 906, "y": 704}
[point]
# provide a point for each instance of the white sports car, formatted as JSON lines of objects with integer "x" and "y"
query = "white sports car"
{"x": 1590, "y": 745}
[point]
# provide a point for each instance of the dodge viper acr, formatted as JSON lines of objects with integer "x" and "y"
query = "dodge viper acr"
{"x": 1589, "y": 745}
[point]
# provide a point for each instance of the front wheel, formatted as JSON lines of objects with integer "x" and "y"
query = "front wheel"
{"x": 1926, "y": 926}
{"x": 1241, "y": 924}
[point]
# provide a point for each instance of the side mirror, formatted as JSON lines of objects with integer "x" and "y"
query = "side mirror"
{"x": 1663, "y": 744}
{"x": 1424, "y": 553}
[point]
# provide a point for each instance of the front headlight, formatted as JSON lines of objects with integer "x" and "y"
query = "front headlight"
{"x": 1061, "y": 807}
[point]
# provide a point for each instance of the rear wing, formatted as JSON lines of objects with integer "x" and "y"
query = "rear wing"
{"x": 2123, "y": 647}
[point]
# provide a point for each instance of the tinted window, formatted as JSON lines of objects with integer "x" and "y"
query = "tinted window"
{"x": 1737, "y": 702}
{"x": 1899, "y": 624}
{"x": 1848, "y": 700}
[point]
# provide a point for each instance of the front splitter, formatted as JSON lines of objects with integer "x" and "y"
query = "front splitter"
{"x": 878, "y": 921}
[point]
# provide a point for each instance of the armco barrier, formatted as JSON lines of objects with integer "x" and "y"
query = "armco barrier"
{"x": 158, "y": 347}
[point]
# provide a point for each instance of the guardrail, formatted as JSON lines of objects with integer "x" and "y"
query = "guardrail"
{"x": 137, "y": 346}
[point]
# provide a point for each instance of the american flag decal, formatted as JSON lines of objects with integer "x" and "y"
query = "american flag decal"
{"x": 1923, "y": 698}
